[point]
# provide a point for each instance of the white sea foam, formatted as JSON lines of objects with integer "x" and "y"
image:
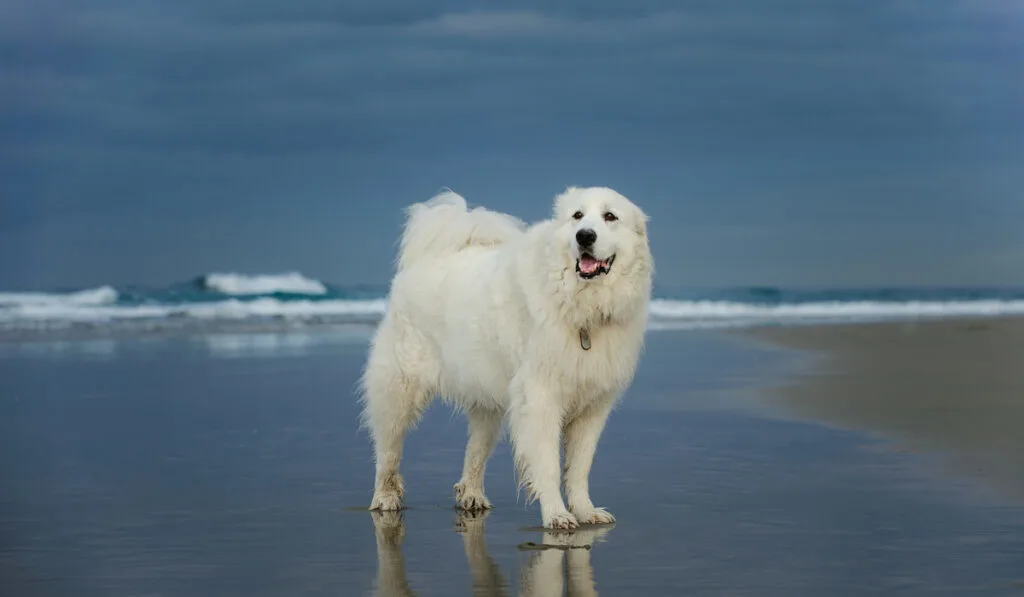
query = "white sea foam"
{"x": 241, "y": 284}
{"x": 231, "y": 309}
{"x": 94, "y": 296}
{"x": 275, "y": 344}
{"x": 95, "y": 307}
{"x": 863, "y": 310}
{"x": 269, "y": 307}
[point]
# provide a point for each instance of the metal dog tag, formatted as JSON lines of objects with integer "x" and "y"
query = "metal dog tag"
{"x": 585, "y": 339}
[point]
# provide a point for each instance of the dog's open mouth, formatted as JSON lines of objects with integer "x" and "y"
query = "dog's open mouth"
{"x": 588, "y": 266}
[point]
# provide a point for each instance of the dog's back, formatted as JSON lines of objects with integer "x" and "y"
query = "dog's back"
{"x": 445, "y": 225}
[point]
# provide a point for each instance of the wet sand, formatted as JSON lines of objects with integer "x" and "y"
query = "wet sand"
{"x": 953, "y": 388}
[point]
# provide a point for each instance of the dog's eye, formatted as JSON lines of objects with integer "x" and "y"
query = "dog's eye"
{"x": 610, "y": 217}
{"x": 578, "y": 215}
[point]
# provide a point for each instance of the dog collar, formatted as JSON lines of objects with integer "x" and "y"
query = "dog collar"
{"x": 584, "y": 339}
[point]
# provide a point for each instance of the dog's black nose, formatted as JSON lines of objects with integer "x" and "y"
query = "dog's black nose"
{"x": 585, "y": 237}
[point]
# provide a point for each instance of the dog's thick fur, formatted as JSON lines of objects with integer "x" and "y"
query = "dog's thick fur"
{"x": 487, "y": 313}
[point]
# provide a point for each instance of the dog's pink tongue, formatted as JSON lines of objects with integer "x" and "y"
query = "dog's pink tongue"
{"x": 588, "y": 265}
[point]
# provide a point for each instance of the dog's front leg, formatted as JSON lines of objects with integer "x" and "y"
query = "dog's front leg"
{"x": 535, "y": 426}
{"x": 581, "y": 435}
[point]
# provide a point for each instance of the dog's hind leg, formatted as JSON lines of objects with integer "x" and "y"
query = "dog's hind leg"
{"x": 392, "y": 407}
{"x": 396, "y": 391}
{"x": 484, "y": 429}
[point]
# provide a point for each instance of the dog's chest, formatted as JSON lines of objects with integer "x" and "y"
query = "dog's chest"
{"x": 603, "y": 360}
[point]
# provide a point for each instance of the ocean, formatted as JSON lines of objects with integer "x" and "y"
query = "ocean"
{"x": 285, "y": 301}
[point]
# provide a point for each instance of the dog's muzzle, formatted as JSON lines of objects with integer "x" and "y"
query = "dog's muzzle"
{"x": 588, "y": 266}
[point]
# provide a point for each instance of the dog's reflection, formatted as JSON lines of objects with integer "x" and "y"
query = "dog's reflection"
{"x": 542, "y": 572}
{"x": 390, "y": 530}
{"x": 559, "y": 559}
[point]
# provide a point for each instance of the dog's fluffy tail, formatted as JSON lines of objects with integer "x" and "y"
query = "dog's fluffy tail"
{"x": 445, "y": 225}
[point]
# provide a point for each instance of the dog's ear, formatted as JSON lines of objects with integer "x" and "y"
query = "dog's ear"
{"x": 640, "y": 223}
{"x": 559, "y": 202}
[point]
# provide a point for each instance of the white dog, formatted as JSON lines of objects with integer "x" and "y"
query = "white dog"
{"x": 542, "y": 325}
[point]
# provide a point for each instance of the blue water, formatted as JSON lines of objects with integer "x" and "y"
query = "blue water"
{"x": 233, "y": 465}
{"x": 288, "y": 300}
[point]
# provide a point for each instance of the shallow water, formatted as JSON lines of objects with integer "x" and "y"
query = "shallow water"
{"x": 233, "y": 465}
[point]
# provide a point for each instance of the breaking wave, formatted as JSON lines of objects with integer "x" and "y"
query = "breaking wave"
{"x": 227, "y": 302}
{"x": 243, "y": 285}
{"x": 93, "y": 296}
{"x": 231, "y": 309}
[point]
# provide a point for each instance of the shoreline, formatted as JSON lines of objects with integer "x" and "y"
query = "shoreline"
{"x": 952, "y": 388}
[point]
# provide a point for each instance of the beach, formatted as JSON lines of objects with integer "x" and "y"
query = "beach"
{"x": 810, "y": 212}
{"x": 739, "y": 463}
{"x": 953, "y": 388}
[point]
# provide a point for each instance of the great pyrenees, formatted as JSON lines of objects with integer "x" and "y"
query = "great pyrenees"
{"x": 541, "y": 326}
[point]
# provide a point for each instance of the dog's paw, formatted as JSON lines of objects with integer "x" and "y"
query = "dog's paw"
{"x": 386, "y": 501}
{"x": 469, "y": 499}
{"x": 595, "y": 516}
{"x": 561, "y": 521}
{"x": 388, "y": 493}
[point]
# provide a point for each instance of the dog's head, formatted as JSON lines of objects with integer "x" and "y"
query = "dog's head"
{"x": 604, "y": 234}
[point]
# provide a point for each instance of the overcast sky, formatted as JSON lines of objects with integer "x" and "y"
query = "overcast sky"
{"x": 772, "y": 142}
